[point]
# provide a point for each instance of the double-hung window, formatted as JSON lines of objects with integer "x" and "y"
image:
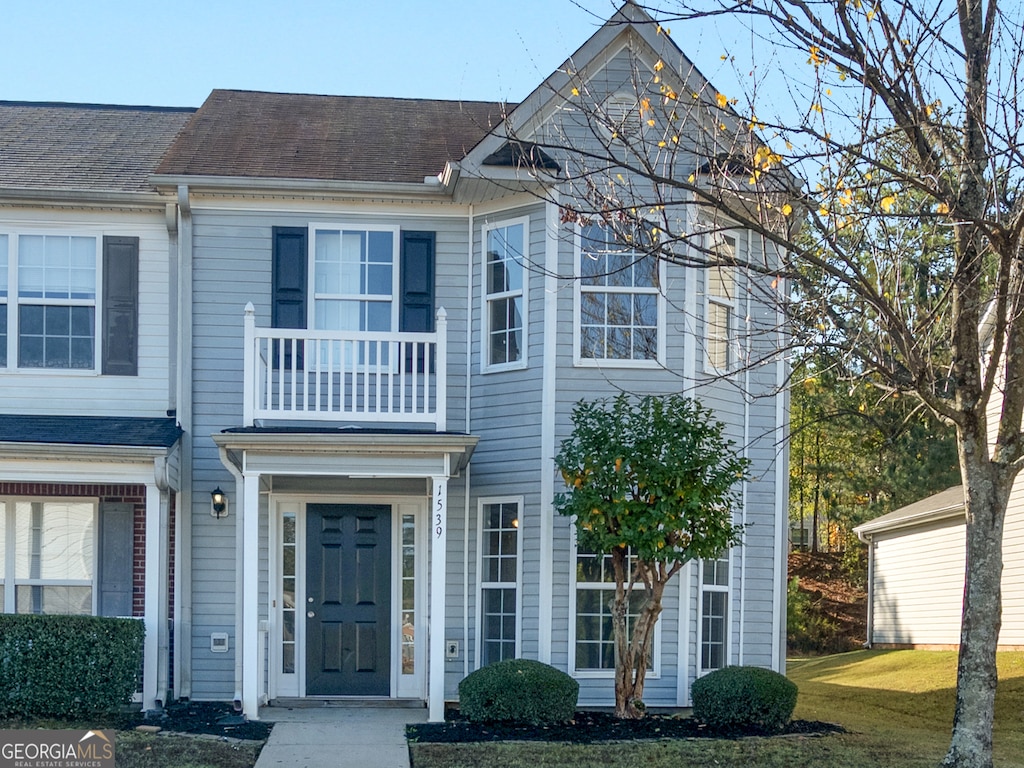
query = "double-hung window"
{"x": 714, "y": 613}
{"x": 499, "y": 579}
{"x": 47, "y": 556}
{"x": 54, "y": 286}
{"x": 595, "y": 595}
{"x": 53, "y": 315}
{"x": 620, "y": 303}
{"x": 355, "y": 278}
{"x": 720, "y": 281}
{"x": 505, "y": 293}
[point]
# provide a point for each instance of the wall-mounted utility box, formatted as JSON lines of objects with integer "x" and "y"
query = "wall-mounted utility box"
{"x": 219, "y": 642}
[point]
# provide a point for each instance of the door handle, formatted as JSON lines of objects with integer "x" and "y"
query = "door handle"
{"x": 310, "y": 614}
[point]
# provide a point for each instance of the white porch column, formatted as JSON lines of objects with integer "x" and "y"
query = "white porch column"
{"x": 248, "y": 643}
{"x": 155, "y": 617}
{"x": 438, "y": 579}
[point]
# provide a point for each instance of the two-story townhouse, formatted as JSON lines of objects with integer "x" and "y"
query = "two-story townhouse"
{"x": 385, "y": 323}
{"x": 88, "y": 437}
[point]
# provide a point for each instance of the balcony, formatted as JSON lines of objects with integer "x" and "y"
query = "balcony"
{"x": 362, "y": 377}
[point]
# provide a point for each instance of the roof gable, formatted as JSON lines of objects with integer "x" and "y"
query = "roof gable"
{"x": 84, "y": 147}
{"x": 345, "y": 138}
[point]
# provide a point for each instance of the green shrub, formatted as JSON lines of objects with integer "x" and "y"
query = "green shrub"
{"x": 744, "y": 698}
{"x": 520, "y": 690}
{"x": 67, "y": 666}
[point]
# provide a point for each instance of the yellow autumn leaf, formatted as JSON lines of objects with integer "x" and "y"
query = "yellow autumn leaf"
{"x": 660, "y": 65}
{"x": 722, "y": 100}
{"x": 888, "y": 202}
{"x": 942, "y": 208}
{"x": 787, "y": 209}
{"x": 721, "y": 126}
{"x": 662, "y": 144}
{"x": 575, "y": 91}
{"x": 692, "y": 178}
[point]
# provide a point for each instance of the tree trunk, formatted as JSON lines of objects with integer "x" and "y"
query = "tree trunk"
{"x": 633, "y": 653}
{"x": 987, "y": 492}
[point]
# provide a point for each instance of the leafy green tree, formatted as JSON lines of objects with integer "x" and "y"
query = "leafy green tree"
{"x": 651, "y": 485}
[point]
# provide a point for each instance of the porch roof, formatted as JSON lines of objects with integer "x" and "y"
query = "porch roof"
{"x": 311, "y": 441}
{"x": 118, "y": 431}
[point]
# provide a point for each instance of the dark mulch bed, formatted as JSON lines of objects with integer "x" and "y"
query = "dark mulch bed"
{"x": 216, "y": 718}
{"x": 589, "y": 727}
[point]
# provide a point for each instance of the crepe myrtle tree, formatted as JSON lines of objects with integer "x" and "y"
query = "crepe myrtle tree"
{"x": 804, "y": 136}
{"x": 651, "y": 484}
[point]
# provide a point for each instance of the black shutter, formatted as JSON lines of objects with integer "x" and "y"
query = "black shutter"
{"x": 288, "y": 284}
{"x": 417, "y": 283}
{"x": 289, "y": 278}
{"x": 120, "y": 310}
{"x": 116, "y": 559}
{"x": 417, "y": 291}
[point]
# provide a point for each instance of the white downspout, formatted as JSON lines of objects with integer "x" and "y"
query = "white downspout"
{"x": 467, "y": 472}
{"x": 183, "y": 407}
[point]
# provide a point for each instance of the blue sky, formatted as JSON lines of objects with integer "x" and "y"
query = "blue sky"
{"x": 175, "y": 53}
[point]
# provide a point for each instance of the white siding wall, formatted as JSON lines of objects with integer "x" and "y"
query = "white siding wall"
{"x": 919, "y": 584}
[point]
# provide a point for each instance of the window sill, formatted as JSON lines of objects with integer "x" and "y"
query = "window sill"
{"x": 606, "y": 674}
{"x": 516, "y": 366}
{"x": 594, "y": 362}
{"x": 76, "y": 372}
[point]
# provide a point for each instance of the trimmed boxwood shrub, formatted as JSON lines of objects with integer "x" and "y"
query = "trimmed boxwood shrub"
{"x": 519, "y": 690}
{"x": 744, "y": 699}
{"x": 67, "y": 666}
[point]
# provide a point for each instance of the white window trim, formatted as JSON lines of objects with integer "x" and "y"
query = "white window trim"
{"x": 482, "y": 585}
{"x": 311, "y": 269}
{"x": 701, "y": 589}
{"x": 8, "y": 582}
{"x": 485, "y": 297}
{"x": 10, "y": 304}
{"x": 577, "y": 316}
{"x": 654, "y": 673}
{"x": 731, "y": 305}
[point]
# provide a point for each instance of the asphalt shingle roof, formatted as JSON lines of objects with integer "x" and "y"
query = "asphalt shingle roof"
{"x": 345, "y": 138}
{"x": 84, "y": 146}
{"x": 132, "y": 432}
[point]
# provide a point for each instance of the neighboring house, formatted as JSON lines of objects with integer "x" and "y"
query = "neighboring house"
{"x": 88, "y": 448}
{"x": 382, "y": 325}
{"x": 916, "y": 560}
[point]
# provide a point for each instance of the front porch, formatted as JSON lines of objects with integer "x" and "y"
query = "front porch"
{"x": 352, "y": 528}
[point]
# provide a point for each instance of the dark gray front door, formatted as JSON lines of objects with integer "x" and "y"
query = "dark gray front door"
{"x": 348, "y": 590}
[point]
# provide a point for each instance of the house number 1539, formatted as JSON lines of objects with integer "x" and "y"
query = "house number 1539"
{"x": 439, "y": 512}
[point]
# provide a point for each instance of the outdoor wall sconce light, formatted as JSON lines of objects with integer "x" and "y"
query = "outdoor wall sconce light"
{"x": 218, "y": 503}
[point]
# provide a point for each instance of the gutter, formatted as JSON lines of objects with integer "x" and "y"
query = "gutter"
{"x": 864, "y": 532}
{"x": 82, "y": 197}
{"x": 429, "y": 187}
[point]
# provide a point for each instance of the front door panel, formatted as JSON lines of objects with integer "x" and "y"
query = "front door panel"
{"x": 348, "y": 591}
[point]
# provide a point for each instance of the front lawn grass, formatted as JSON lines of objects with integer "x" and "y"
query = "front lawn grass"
{"x": 897, "y": 705}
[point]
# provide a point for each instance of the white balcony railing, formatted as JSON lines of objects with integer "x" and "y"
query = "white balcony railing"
{"x": 355, "y": 376}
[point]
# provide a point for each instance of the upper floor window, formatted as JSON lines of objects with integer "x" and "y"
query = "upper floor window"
{"x": 355, "y": 278}
{"x": 505, "y": 292}
{"x": 52, "y": 313}
{"x": 620, "y": 302}
{"x": 720, "y": 282}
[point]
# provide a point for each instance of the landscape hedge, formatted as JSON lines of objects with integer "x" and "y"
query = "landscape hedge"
{"x": 67, "y": 666}
{"x": 744, "y": 699}
{"x": 519, "y": 690}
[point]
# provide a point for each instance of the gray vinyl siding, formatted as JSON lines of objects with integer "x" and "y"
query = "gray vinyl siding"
{"x": 232, "y": 266}
{"x": 33, "y": 391}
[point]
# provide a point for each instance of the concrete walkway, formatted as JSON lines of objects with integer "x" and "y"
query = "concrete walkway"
{"x": 367, "y": 737}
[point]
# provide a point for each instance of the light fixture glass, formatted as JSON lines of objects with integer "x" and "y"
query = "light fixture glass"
{"x": 218, "y": 503}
